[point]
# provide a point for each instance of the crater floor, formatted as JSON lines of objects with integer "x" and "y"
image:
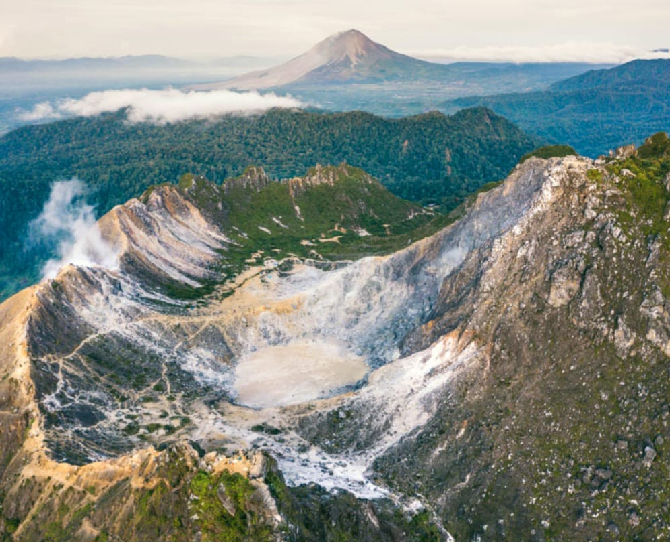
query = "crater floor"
{"x": 290, "y": 374}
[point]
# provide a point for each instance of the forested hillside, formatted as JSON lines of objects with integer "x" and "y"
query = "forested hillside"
{"x": 429, "y": 158}
{"x": 594, "y": 112}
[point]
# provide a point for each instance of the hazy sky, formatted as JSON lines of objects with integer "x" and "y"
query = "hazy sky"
{"x": 198, "y": 28}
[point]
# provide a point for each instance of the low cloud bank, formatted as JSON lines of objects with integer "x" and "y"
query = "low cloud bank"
{"x": 573, "y": 51}
{"x": 161, "y": 106}
{"x": 69, "y": 223}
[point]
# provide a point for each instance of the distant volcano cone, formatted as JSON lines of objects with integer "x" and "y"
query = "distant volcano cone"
{"x": 344, "y": 57}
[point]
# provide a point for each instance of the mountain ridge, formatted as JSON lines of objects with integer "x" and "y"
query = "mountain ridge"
{"x": 636, "y": 72}
{"x": 520, "y": 306}
{"x": 117, "y": 160}
{"x": 594, "y": 112}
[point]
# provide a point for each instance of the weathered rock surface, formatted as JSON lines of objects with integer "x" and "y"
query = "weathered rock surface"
{"x": 507, "y": 357}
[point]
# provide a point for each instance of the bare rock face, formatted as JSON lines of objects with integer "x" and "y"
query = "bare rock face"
{"x": 624, "y": 152}
{"x": 321, "y": 175}
{"x": 228, "y": 504}
{"x": 565, "y": 283}
{"x": 498, "y": 364}
{"x": 253, "y": 177}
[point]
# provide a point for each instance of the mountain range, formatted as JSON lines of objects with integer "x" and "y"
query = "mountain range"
{"x": 307, "y": 326}
{"x": 345, "y": 72}
{"x": 595, "y": 112}
{"x": 497, "y": 378}
{"x": 12, "y": 66}
{"x": 429, "y": 158}
{"x": 351, "y": 57}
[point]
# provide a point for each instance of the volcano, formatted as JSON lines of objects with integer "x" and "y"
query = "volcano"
{"x": 344, "y": 57}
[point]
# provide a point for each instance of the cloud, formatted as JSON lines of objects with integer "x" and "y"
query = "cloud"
{"x": 572, "y": 51}
{"x": 161, "y": 106}
{"x": 68, "y": 223}
{"x": 41, "y": 111}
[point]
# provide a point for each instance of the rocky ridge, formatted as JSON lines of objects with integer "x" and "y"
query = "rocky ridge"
{"x": 512, "y": 386}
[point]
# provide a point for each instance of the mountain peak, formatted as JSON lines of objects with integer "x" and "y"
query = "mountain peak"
{"x": 343, "y": 57}
{"x": 350, "y": 45}
{"x": 350, "y": 35}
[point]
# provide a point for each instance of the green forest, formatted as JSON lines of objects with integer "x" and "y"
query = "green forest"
{"x": 594, "y": 112}
{"x": 430, "y": 158}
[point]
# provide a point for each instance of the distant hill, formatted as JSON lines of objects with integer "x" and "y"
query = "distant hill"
{"x": 12, "y": 64}
{"x": 638, "y": 73}
{"x": 352, "y": 57}
{"x": 594, "y": 112}
{"x": 123, "y": 63}
{"x": 27, "y": 83}
{"x": 426, "y": 158}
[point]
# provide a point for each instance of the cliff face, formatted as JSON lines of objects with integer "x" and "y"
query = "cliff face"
{"x": 562, "y": 430}
{"x": 503, "y": 374}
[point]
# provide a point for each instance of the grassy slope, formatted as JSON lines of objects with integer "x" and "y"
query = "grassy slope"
{"x": 347, "y": 218}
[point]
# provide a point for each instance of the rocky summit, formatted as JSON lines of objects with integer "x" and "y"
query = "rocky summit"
{"x": 502, "y": 376}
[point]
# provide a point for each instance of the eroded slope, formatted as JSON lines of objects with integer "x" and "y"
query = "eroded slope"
{"x": 503, "y": 374}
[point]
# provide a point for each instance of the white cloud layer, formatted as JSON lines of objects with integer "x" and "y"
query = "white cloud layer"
{"x": 75, "y": 28}
{"x": 572, "y": 51}
{"x": 161, "y": 106}
{"x": 41, "y": 111}
{"x": 69, "y": 222}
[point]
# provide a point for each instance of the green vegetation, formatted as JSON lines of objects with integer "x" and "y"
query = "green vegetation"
{"x": 595, "y": 174}
{"x": 594, "y": 112}
{"x": 656, "y": 146}
{"x": 429, "y": 158}
{"x": 646, "y": 176}
{"x": 266, "y": 428}
{"x": 222, "y": 506}
{"x": 550, "y": 151}
{"x": 334, "y": 213}
{"x": 313, "y": 515}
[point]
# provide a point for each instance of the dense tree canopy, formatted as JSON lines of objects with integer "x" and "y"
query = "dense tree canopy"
{"x": 427, "y": 158}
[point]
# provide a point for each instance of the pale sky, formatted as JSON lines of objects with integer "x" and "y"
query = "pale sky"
{"x": 477, "y": 29}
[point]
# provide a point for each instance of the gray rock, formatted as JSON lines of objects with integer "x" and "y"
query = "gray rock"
{"x": 226, "y": 501}
{"x": 624, "y": 338}
{"x": 627, "y": 151}
{"x": 649, "y": 456}
{"x": 565, "y": 283}
{"x": 634, "y": 519}
{"x": 605, "y": 474}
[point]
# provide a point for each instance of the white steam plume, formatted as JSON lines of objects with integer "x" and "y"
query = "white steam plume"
{"x": 161, "y": 106}
{"x": 69, "y": 221}
{"x": 572, "y": 51}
